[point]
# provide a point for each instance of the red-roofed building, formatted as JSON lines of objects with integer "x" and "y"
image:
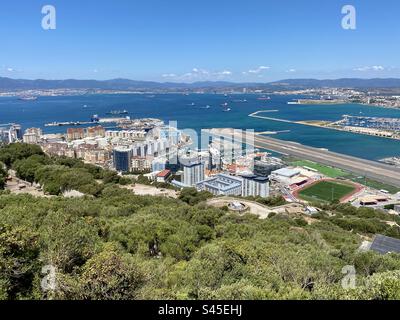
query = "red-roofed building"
{"x": 163, "y": 175}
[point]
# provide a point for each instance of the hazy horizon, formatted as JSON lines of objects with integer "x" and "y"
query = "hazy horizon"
{"x": 181, "y": 41}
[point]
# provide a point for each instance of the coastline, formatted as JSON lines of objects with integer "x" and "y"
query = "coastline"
{"x": 314, "y": 123}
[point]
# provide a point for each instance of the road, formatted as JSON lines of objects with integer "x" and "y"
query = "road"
{"x": 374, "y": 170}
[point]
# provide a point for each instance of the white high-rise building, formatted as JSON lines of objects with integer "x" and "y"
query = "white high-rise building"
{"x": 255, "y": 186}
{"x": 193, "y": 173}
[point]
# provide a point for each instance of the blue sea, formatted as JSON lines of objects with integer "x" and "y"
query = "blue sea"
{"x": 190, "y": 112}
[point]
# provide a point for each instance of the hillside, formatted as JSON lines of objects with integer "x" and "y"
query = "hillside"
{"x": 113, "y": 244}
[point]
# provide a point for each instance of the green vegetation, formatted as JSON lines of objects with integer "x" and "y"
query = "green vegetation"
{"x": 56, "y": 175}
{"x": 374, "y": 184}
{"x": 117, "y": 245}
{"x": 326, "y": 191}
{"x": 325, "y": 170}
{"x": 192, "y": 196}
{"x": 3, "y": 176}
{"x": 270, "y": 201}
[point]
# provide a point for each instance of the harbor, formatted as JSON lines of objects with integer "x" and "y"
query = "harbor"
{"x": 47, "y": 110}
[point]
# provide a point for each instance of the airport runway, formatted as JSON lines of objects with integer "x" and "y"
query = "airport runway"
{"x": 374, "y": 170}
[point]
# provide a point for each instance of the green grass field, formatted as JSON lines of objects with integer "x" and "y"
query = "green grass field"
{"x": 325, "y": 170}
{"x": 326, "y": 191}
{"x": 374, "y": 184}
{"x": 338, "y": 173}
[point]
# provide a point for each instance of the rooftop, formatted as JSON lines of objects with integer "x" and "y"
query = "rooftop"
{"x": 287, "y": 172}
{"x": 383, "y": 244}
{"x": 164, "y": 173}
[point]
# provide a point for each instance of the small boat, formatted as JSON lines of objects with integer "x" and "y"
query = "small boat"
{"x": 226, "y": 109}
{"x": 264, "y": 98}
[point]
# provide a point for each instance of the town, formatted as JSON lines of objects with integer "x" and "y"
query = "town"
{"x": 166, "y": 162}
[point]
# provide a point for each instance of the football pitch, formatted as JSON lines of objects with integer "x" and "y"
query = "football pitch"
{"x": 326, "y": 191}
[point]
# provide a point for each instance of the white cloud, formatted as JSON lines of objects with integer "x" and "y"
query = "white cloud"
{"x": 9, "y": 69}
{"x": 169, "y": 75}
{"x": 198, "y": 74}
{"x": 258, "y": 70}
{"x": 224, "y": 73}
{"x": 291, "y": 70}
{"x": 369, "y": 68}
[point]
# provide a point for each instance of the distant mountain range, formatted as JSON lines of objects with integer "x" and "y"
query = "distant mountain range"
{"x": 8, "y": 84}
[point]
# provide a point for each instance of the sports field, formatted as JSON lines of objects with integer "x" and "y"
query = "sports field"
{"x": 326, "y": 191}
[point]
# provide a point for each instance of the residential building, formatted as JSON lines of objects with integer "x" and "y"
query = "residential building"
{"x": 10, "y": 133}
{"x": 32, "y": 135}
{"x": 141, "y": 163}
{"x": 122, "y": 159}
{"x": 133, "y": 135}
{"x": 97, "y": 131}
{"x": 75, "y": 134}
{"x": 193, "y": 172}
{"x": 255, "y": 186}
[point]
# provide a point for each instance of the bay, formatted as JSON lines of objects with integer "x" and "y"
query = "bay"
{"x": 190, "y": 111}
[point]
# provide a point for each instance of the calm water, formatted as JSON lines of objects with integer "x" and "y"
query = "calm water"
{"x": 178, "y": 107}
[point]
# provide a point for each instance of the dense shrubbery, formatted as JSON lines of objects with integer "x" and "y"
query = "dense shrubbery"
{"x": 361, "y": 220}
{"x": 192, "y": 196}
{"x": 118, "y": 245}
{"x": 122, "y": 246}
{"x": 270, "y": 201}
{"x": 3, "y": 176}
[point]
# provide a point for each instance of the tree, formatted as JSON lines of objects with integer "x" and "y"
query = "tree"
{"x": 192, "y": 197}
{"x": 18, "y": 261}
{"x": 110, "y": 275}
{"x": 17, "y": 151}
{"x": 26, "y": 168}
{"x": 67, "y": 241}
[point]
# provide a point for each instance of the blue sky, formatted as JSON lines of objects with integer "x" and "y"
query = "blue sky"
{"x": 188, "y": 40}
